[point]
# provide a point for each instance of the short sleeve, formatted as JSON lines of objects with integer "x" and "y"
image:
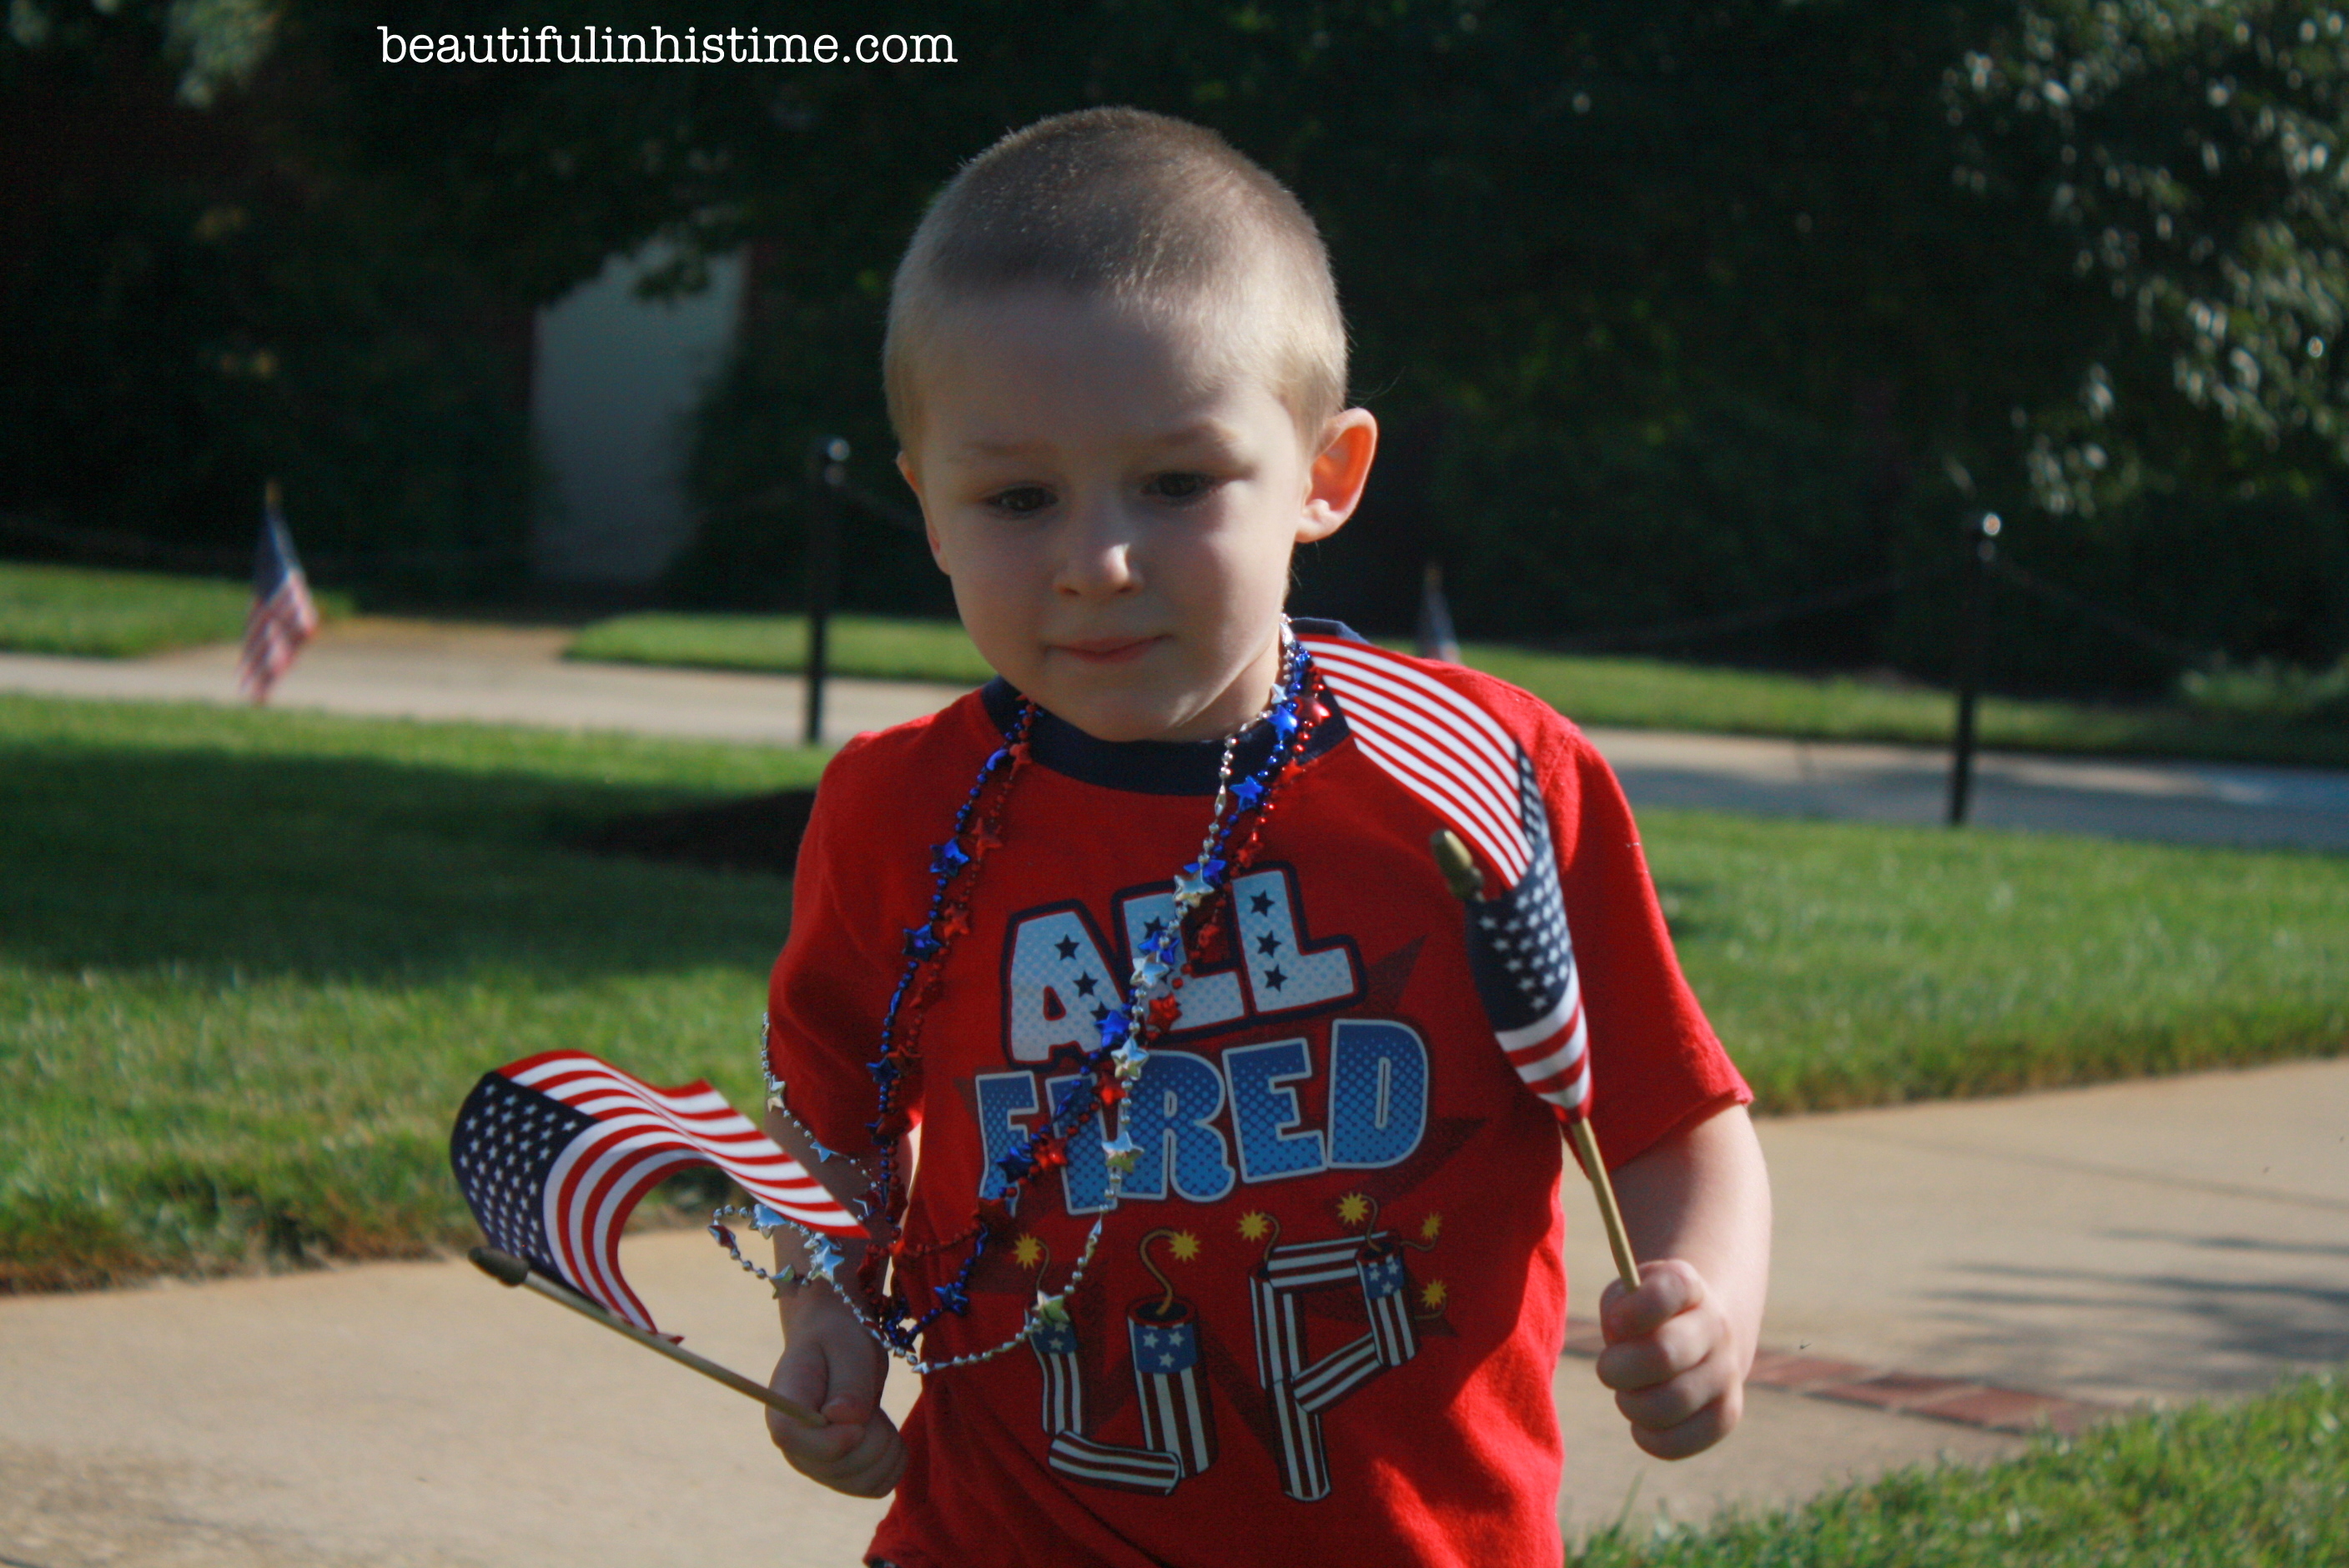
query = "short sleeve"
{"x": 1655, "y": 1061}
{"x": 826, "y": 996}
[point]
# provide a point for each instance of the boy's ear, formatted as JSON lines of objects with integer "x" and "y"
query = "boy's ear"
{"x": 1341, "y": 470}
{"x": 914, "y": 483}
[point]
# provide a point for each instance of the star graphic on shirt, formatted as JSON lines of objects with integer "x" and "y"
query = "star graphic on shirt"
{"x": 1183, "y": 1245}
{"x": 1027, "y": 1251}
{"x": 1273, "y": 979}
{"x": 1430, "y": 1226}
{"x": 1085, "y": 984}
{"x": 1354, "y": 1209}
{"x": 1066, "y": 947}
{"x": 1433, "y": 1294}
{"x": 1260, "y": 904}
{"x": 1154, "y": 931}
{"x": 1268, "y": 944}
{"x": 1254, "y": 1225}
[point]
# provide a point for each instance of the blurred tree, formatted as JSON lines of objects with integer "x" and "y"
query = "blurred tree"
{"x": 1669, "y": 308}
{"x": 189, "y": 303}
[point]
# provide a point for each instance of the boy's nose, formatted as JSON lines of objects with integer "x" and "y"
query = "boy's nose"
{"x": 1098, "y": 556}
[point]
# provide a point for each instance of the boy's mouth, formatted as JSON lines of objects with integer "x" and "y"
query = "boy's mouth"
{"x": 1107, "y": 650}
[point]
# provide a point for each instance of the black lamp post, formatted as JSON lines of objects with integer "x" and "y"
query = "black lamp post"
{"x": 827, "y": 477}
{"x": 1982, "y": 549}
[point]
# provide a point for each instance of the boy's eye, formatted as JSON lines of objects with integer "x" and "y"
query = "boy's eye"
{"x": 1021, "y": 499}
{"x": 1179, "y": 486}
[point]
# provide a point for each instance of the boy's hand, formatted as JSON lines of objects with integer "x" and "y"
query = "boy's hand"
{"x": 1673, "y": 1358}
{"x": 832, "y": 1366}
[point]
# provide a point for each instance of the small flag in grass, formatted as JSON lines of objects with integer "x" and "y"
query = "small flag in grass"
{"x": 554, "y": 1151}
{"x": 283, "y": 617}
{"x": 1435, "y": 639}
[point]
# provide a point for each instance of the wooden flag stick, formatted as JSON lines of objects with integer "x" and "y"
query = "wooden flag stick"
{"x": 509, "y": 1270}
{"x": 1619, "y": 1240}
{"x": 1459, "y": 869}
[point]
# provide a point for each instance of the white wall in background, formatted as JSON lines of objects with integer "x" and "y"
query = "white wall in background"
{"x": 614, "y": 380}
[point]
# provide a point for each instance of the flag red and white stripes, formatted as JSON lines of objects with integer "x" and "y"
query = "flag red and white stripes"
{"x": 1433, "y": 741}
{"x": 284, "y": 618}
{"x": 554, "y": 1151}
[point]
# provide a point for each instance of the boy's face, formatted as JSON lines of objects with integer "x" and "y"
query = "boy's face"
{"x": 1116, "y": 502}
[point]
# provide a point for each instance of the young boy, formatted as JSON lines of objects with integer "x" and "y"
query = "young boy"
{"x": 1236, "y": 1236}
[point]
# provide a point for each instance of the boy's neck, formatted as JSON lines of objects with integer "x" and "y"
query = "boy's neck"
{"x": 1154, "y": 766}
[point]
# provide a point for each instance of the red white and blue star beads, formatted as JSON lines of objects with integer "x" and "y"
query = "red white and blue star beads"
{"x": 1161, "y": 967}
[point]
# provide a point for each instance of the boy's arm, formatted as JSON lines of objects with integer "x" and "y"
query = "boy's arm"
{"x": 829, "y": 1364}
{"x": 1697, "y": 1205}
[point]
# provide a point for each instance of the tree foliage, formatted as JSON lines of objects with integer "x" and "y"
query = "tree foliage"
{"x": 1669, "y": 309}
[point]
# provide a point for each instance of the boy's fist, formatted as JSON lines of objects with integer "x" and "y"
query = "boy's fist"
{"x": 839, "y": 1375}
{"x": 1673, "y": 1359}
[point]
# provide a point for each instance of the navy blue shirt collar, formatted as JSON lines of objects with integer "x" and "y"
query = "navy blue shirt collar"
{"x": 1160, "y": 766}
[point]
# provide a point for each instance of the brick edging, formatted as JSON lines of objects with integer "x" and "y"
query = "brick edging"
{"x": 1961, "y": 1400}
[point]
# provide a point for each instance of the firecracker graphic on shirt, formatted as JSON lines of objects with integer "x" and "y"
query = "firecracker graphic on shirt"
{"x": 1303, "y": 1387}
{"x": 1164, "y": 1337}
{"x": 1053, "y": 1341}
{"x": 1178, "y": 1434}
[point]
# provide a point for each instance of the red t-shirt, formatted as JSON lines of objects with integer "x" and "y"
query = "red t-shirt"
{"x": 1321, "y": 1322}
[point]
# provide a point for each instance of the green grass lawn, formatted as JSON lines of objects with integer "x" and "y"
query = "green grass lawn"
{"x": 1652, "y": 694}
{"x": 1645, "y": 693}
{"x": 120, "y": 614}
{"x": 871, "y": 646}
{"x": 1848, "y": 964}
{"x": 2264, "y": 1484}
{"x": 250, "y": 961}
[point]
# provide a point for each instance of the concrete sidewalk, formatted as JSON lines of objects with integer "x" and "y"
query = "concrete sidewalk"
{"x": 2166, "y": 1240}
{"x": 2175, "y": 802}
{"x": 385, "y": 668}
{"x": 516, "y": 676}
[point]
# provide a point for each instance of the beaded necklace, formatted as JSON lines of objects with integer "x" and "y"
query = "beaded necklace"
{"x": 1151, "y": 1007}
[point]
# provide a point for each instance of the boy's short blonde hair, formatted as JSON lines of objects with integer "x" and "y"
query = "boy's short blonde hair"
{"x": 1141, "y": 210}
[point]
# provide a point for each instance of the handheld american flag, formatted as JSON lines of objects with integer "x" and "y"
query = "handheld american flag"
{"x": 554, "y": 1151}
{"x": 283, "y": 617}
{"x": 1456, "y": 757}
